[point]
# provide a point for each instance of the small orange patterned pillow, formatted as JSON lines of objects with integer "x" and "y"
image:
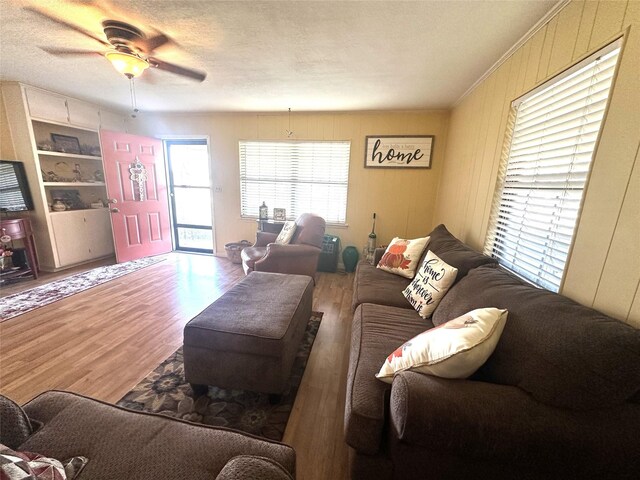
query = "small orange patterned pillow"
{"x": 402, "y": 256}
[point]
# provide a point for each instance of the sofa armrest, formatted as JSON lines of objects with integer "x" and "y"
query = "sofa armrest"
{"x": 264, "y": 238}
{"x": 488, "y": 421}
{"x": 248, "y": 467}
{"x": 287, "y": 250}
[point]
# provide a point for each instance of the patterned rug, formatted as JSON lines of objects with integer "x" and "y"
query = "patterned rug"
{"x": 23, "y": 302}
{"x": 166, "y": 391}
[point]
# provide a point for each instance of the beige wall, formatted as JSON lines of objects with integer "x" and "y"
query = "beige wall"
{"x": 7, "y": 152}
{"x": 404, "y": 200}
{"x": 604, "y": 267}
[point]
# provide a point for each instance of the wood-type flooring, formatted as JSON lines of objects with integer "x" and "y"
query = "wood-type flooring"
{"x": 103, "y": 341}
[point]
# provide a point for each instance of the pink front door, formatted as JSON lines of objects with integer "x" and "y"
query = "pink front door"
{"x": 137, "y": 190}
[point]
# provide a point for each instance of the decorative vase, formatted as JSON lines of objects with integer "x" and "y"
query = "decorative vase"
{"x": 264, "y": 212}
{"x": 350, "y": 258}
{"x": 5, "y": 263}
{"x": 58, "y": 205}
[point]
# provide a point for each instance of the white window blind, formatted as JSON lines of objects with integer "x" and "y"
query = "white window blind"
{"x": 300, "y": 176}
{"x": 551, "y": 136}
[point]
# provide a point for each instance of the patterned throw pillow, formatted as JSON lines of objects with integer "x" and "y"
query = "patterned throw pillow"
{"x": 433, "y": 280}
{"x": 26, "y": 465}
{"x": 455, "y": 349}
{"x": 286, "y": 234}
{"x": 402, "y": 256}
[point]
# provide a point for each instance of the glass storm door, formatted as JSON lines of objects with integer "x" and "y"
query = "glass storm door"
{"x": 190, "y": 192}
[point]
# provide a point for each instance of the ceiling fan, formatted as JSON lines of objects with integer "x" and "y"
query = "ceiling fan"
{"x": 128, "y": 49}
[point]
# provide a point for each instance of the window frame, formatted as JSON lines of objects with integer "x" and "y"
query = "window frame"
{"x": 501, "y": 203}
{"x": 295, "y": 182}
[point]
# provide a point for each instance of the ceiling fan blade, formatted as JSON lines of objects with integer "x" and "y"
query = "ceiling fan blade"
{"x": 178, "y": 70}
{"x": 59, "y": 21}
{"x": 68, "y": 51}
{"x": 148, "y": 45}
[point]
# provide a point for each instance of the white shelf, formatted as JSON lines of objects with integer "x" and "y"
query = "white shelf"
{"x": 51, "y": 153}
{"x": 78, "y": 210}
{"x": 73, "y": 184}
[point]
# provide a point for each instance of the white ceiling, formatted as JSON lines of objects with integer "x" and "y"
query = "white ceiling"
{"x": 272, "y": 55}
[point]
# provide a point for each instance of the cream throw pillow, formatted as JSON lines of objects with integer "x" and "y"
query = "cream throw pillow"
{"x": 455, "y": 349}
{"x": 402, "y": 256}
{"x": 432, "y": 281}
{"x": 286, "y": 234}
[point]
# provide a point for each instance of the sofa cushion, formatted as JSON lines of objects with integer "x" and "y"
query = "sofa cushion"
{"x": 19, "y": 465}
{"x": 376, "y": 331}
{"x": 454, "y": 349}
{"x": 372, "y": 285}
{"x": 402, "y": 256}
{"x": 121, "y": 443}
{"x": 563, "y": 353}
{"x": 15, "y": 426}
{"x": 456, "y": 253}
{"x": 432, "y": 282}
{"x": 286, "y": 234}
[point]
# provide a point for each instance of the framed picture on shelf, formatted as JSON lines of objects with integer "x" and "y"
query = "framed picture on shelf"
{"x": 65, "y": 143}
{"x": 280, "y": 214}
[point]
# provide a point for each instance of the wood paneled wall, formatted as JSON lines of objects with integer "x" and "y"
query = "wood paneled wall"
{"x": 7, "y": 152}
{"x": 404, "y": 200}
{"x": 603, "y": 270}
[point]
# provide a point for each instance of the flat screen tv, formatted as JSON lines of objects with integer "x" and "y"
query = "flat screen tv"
{"x": 15, "y": 195}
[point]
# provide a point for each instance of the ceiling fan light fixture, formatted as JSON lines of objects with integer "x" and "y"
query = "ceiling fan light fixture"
{"x": 127, "y": 64}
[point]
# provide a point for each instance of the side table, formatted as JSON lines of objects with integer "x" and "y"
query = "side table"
{"x": 20, "y": 228}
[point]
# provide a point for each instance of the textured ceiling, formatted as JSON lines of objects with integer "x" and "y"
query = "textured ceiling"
{"x": 272, "y": 55}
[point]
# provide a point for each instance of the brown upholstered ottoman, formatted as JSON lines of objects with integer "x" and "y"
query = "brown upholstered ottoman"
{"x": 248, "y": 338}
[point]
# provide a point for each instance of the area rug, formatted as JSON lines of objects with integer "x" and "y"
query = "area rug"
{"x": 166, "y": 391}
{"x": 23, "y": 302}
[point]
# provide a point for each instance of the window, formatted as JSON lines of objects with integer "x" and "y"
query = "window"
{"x": 551, "y": 135}
{"x": 300, "y": 176}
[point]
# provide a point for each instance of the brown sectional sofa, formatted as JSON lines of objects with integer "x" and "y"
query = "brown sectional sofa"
{"x": 559, "y": 397}
{"x": 122, "y": 444}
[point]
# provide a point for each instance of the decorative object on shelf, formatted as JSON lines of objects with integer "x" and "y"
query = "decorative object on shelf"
{"x": 77, "y": 174}
{"x": 90, "y": 150}
{"x": 350, "y": 257}
{"x": 96, "y": 202}
{"x": 263, "y": 212}
{"x": 45, "y": 146}
{"x": 98, "y": 176}
{"x": 6, "y": 262}
{"x": 63, "y": 172}
{"x": 58, "y": 205}
{"x": 6, "y": 252}
{"x": 65, "y": 143}
{"x": 51, "y": 176}
{"x": 280, "y": 214}
{"x": 371, "y": 241}
{"x": 398, "y": 151}
{"x": 70, "y": 198}
{"x": 138, "y": 174}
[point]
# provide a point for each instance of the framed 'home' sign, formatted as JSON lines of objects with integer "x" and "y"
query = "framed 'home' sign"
{"x": 398, "y": 151}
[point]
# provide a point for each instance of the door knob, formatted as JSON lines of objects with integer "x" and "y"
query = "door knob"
{"x": 112, "y": 200}
{"x": 114, "y": 210}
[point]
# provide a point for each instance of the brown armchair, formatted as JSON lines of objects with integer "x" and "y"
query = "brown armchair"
{"x": 300, "y": 256}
